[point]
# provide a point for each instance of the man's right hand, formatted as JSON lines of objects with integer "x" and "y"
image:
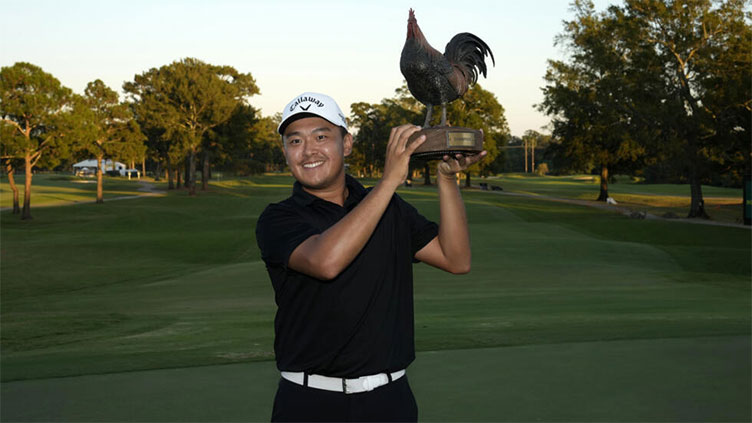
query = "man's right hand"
{"x": 398, "y": 154}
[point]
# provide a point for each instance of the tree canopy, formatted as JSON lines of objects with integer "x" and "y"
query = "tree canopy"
{"x": 105, "y": 128}
{"x": 664, "y": 81}
{"x": 478, "y": 109}
{"x": 186, "y": 99}
{"x": 34, "y": 105}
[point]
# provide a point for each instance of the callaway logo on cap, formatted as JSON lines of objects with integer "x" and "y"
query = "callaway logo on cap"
{"x": 312, "y": 104}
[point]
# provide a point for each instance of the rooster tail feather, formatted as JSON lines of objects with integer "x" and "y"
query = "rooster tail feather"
{"x": 469, "y": 52}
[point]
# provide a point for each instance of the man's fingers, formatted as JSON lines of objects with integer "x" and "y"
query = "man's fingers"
{"x": 476, "y": 158}
{"x": 459, "y": 162}
{"x": 405, "y": 135}
{"x": 415, "y": 144}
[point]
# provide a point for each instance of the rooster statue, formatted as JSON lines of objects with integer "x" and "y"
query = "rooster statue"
{"x": 434, "y": 78}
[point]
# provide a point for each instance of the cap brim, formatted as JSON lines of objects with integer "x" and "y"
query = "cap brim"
{"x": 298, "y": 116}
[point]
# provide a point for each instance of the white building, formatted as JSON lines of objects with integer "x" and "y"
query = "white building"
{"x": 89, "y": 167}
{"x": 91, "y": 164}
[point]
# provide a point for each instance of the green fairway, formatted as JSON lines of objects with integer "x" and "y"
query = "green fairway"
{"x": 175, "y": 281}
{"x": 722, "y": 204}
{"x": 62, "y": 189}
{"x": 685, "y": 379}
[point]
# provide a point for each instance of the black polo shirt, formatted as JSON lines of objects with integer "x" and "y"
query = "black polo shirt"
{"x": 361, "y": 322}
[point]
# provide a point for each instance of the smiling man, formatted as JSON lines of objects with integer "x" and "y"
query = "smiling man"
{"x": 340, "y": 259}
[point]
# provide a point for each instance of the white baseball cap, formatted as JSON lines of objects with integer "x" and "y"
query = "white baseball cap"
{"x": 312, "y": 104}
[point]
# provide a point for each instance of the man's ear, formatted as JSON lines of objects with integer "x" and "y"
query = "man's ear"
{"x": 347, "y": 142}
{"x": 284, "y": 148}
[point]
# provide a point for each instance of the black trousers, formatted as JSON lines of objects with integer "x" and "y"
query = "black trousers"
{"x": 393, "y": 402}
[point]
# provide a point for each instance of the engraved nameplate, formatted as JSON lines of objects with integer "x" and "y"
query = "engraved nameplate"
{"x": 460, "y": 139}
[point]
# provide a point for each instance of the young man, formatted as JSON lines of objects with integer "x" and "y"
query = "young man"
{"x": 340, "y": 259}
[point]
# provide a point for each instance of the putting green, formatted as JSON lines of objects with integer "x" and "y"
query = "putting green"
{"x": 682, "y": 379}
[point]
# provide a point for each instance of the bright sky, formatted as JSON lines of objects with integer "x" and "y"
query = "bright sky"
{"x": 349, "y": 50}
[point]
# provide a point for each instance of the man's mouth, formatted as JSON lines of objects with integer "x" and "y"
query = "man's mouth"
{"x": 313, "y": 164}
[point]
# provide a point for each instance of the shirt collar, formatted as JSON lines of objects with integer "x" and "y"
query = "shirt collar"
{"x": 356, "y": 192}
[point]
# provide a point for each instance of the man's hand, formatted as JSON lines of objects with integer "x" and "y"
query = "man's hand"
{"x": 398, "y": 153}
{"x": 451, "y": 166}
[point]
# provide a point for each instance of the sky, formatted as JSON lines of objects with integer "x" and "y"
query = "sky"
{"x": 349, "y": 50}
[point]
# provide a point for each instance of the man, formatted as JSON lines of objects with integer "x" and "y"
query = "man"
{"x": 340, "y": 259}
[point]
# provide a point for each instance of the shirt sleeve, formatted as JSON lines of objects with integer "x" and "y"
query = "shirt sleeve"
{"x": 279, "y": 231}
{"x": 422, "y": 230}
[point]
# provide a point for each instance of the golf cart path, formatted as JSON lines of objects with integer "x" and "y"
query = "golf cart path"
{"x": 623, "y": 210}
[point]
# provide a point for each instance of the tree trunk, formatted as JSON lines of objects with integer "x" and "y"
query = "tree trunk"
{"x": 467, "y": 180}
{"x": 192, "y": 173}
{"x": 178, "y": 178}
{"x": 100, "y": 196}
{"x": 143, "y": 168}
{"x": 524, "y": 147}
{"x": 426, "y": 174}
{"x": 187, "y": 171}
{"x": 603, "y": 196}
{"x": 697, "y": 205}
{"x": 205, "y": 171}
{"x": 26, "y": 213}
{"x": 170, "y": 181}
{"x": 13, "y": 187}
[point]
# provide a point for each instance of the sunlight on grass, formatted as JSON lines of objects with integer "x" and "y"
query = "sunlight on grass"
{"x": 56, "y": 190}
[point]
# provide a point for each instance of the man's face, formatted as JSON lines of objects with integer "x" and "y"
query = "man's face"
{"x": 315, "y": 151}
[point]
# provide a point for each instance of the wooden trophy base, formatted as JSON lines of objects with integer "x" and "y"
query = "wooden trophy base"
{"x": 447, "y": 140}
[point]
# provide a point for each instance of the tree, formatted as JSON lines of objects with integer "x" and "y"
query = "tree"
{"x": 144, "y": 99}
{"x": 34, "y": 104}
{"x": 479, "y": 109}
{"x": 106, "y": 128}
{"x": 266, "y": 144}
{"x": 704, "y": 47}
{"x": 8, "y": 149}
{"x": 187, "y": 99}
{"x": 374, "y": 122}
{"x": 665, "y": 81}
{"x": 587, "y": 96}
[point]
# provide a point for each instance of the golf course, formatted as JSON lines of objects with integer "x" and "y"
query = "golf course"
{"x": 157, "y": 306}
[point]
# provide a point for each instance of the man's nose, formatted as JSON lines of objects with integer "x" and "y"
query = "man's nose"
{"x": 308, "y": 145}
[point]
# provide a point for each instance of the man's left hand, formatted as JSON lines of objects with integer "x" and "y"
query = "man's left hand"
{"x": 450, "y": 166}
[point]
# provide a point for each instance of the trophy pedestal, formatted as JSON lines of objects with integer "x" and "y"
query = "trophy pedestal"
{"x": 447, "y": 140}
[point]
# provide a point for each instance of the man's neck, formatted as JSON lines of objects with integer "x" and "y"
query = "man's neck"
{"x": 336, "y": 193}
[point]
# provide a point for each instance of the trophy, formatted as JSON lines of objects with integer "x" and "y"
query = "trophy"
{"x": 434, "y": 78}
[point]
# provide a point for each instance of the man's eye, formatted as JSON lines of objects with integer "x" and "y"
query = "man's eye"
{"x": 294, "y": 141}
{"x": 322, "y": 137}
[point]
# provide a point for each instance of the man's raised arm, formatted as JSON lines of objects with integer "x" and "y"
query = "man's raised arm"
{"x": 450, "y": 250}
{"x": 326, "y": 255}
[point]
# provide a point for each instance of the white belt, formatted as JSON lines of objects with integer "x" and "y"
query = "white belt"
{"x": 337, "y": 384}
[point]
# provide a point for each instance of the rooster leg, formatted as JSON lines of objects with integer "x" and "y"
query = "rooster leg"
{"x": 443, "y": 115}
{"x": 429, "y": 110}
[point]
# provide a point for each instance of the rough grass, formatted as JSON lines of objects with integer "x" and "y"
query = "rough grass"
{"x": 177, "y": 281}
